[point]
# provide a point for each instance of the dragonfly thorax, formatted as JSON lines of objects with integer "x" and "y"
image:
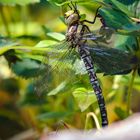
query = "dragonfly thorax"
{"x": 73, "y": 35}
{"x": 75, "y": 28}
{"x": 71, "y": 18}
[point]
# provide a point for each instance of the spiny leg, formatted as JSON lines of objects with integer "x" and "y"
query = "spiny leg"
{"x": 74, "y": 6}
{"x": 70, "y": 6}
{"x": 92, "y": 22}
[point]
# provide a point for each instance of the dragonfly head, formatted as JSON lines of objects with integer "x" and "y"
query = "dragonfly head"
{"x": 71, "y": 17}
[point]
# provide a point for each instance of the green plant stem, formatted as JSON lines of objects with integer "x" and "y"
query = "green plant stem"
{"x": 91, "y": 114}
{"x": 24, "y": 13}
{"x": 4, "y": 21}
{"x": 130, "y": 93}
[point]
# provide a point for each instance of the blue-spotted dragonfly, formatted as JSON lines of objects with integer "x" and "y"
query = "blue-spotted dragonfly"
{"x": 92, "y": 50}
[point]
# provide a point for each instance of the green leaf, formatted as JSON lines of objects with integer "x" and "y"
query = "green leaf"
{"x": 45, "y": 43}
{"x": 118, "y": 5}
{"x": 56, "y": 36}
{"x": 133, "y": 6}
{"x": 6, "y": 42}
{"x": 115, "y": 19}
{"x": 58, "y": 89}
{"x": 26, "y": 68}
{"x": 52, "y": 115}
{"x": 30, "y": 98}
{"x": 119, "y": 21}
{"x": 58, "y": 2}
{"x": 120, "y": 113}
{"x": 82, "y": 17}
{"x": 25, "y": 48}
{"x": 79, "y": 67}
{"x": 129, "y": 29}
{"x": 20, "y": 2}
{"x": 126, "y": 43}
{"x": 84, "y": 98}
{"x": 61, "y": 3}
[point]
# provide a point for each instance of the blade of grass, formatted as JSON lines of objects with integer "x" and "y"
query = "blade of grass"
{"x": 128, "y": 110}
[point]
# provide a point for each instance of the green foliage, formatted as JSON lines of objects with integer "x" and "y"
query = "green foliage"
{"x": 30, "y": 99}
{"x": 53, "y": 115}
{"x": 120, "y": 112}
{"x": 45, "y": 43}
{"x": 33, "y": 50}
{"x": 125, "y": 42}
{"x": 58, "y": 89}
{"x": 120, "y": 22}
{"x": 84, "y": 98}
{"x": 26, "y": 68}
{"x": 6, "y": 42}
{"x": 20, "y": 2}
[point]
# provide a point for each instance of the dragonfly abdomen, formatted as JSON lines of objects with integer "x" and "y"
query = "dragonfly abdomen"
{"x": 85, "y": 56}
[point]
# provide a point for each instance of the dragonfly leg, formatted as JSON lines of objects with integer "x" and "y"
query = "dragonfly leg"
{"x": 92, "y": 22}
{"x": 87, "y": 29}
{"x": 84, "y": 29}
{"x": 70, "y": 6}
{"x": 74, "y": 6}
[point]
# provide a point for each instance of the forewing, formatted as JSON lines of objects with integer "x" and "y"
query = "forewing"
{"x": 55, "y": 68}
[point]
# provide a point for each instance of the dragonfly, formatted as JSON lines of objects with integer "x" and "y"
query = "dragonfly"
{"x": 92, "y": 51}
{"x": 72, "y": 19}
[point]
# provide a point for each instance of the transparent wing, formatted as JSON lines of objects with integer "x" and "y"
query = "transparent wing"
{"x": 108, "y": 60}
{"x": 56, "y": 67}
{"x": 104, "y": 34}
{"x": 57, "y": 63}
{"x": 112, "y": 61}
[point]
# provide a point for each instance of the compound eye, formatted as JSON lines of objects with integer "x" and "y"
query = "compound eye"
{"x": 67, "y": 14}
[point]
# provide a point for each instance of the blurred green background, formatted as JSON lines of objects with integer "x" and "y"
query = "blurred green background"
{"x": 27, "y": 23}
